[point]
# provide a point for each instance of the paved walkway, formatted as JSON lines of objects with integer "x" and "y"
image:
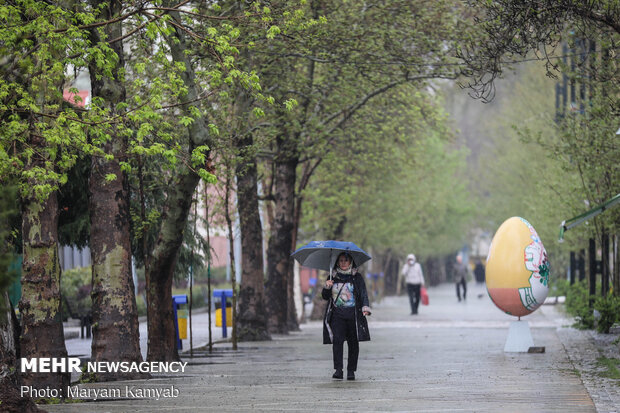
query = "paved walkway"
{"x": 448, "y": 358}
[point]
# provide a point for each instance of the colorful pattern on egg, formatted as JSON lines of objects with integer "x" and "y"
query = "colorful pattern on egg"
{"x": 535, "y": 257}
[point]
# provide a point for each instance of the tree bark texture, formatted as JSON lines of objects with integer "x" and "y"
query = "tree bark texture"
{"x": 116, "y": 335}
{"x": 42, "y": 331}
{"x": 251, "y": 318}
{"x": 279, "y": 261}
{"x": 11, "y": 400}
{"x": 160, "y": 271}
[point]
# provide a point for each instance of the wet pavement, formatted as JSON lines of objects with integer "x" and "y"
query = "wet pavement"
{"x": 448, "y": 358}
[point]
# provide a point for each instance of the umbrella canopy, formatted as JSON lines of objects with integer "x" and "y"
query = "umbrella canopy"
{"x": 322, "y": 255}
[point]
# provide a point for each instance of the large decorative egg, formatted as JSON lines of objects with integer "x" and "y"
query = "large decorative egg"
{"x": 517, "y": 271}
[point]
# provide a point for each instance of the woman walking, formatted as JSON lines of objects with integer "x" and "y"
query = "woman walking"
{"x": 414, "y": 278}
{"x": 345, "y": 316}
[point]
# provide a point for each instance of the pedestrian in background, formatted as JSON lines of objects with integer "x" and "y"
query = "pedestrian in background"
{"x": 414, "y": 278}
{"x": 460, "y": 277}
{"x": 479, "y": 272}
{"x": 479, "y": 275}
{"x": 345, "y": 316}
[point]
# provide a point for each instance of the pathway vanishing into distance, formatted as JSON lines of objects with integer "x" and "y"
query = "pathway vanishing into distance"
{"x": 448, "y": 358}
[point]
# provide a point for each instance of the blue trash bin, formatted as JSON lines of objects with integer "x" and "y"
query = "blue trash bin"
{"x": 177, "y": 301}
{"x": 223, "y": 294}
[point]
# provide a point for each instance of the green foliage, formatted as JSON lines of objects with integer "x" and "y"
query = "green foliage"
{"x": 39, "y": 135}
{"x": 559, "y": 287}
{"x": 75, "y": 287}
{"x": 609, "y": 310}
{"x": 578, "y": 305}
{"x": 8, "y": 212}
{"x": 589, "y": 150}
{"x": 74, "y": 218}
{"x": 392, "y": 180}
{"x": 611, "y": 366}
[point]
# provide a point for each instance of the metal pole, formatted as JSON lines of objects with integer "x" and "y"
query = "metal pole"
{"x": 604, "y": 263}
{"x": 592, "y": 265}
{"x": 210, "y": 345}
{"x": 573, "y": 266}
{"x": 191, "y": 285}
{"x": 582, "y": 265}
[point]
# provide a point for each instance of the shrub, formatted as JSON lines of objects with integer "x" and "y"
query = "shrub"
{"x": 609, "y": 309}
{"x": 559, "y": 287}
{"x": 578, "y": 305}
{"x": 75, "y": 287}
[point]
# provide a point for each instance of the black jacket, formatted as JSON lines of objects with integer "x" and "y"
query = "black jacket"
{"x": 361, "y": 300}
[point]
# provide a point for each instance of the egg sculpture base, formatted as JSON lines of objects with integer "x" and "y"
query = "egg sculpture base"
{"x": 519, "y": 338}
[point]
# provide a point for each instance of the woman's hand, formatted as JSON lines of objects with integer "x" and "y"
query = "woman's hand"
{"x": 329, "y": 283}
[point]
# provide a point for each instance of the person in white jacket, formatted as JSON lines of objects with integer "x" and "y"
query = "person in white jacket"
{"x": 412, "y": 272}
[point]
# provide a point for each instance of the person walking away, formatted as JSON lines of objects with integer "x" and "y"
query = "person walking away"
{"x": 460, "y": 277}
{"x": 414, "y": 278}
{"x": 479, "y": 272}
{"x": 345, "y": 315}
{"x": 479, "y": 276}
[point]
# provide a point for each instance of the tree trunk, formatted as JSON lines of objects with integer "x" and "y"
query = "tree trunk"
{"x": 116, "y": 335}
{"x": 160, "y": 271}
{"x": 251, "y": 319}
{"x": 279, "y": 262}
{"x": 42, "y": 331}
{"x": 11, "y": 399}
{"x": 318, "y": 303}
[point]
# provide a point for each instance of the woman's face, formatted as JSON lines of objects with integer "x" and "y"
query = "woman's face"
{"x": 344, "y": 262}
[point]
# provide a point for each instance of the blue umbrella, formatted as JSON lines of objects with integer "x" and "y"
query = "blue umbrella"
{"x": 322, "y": 255}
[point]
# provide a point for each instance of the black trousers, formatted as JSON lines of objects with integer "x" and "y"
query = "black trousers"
{"x": 344, "y": 329}
{"x": 414, "y": 297}
{"x": 458, "y": 289}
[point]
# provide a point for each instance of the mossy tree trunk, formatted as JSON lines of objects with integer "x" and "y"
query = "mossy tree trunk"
{"x": 42, "y": 332}
{"x": 116, "y": 335}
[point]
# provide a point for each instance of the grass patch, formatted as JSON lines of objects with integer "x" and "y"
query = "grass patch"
{"x": 611, "y": 367}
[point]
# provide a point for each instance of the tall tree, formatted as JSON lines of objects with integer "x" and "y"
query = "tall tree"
{"x": 197, "y": 57}
{"x": 332, "y": 76}
{"x": 116, "y": 335}
{"x": 251, "y": 320}
{"x": 37, "y": 134}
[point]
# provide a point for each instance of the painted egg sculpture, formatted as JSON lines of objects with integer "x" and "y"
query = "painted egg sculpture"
{"x": 517, "y": 270}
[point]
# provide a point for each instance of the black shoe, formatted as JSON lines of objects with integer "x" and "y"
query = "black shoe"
{"x": 337, "y": 375}
{"x": 350, "y": 375}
